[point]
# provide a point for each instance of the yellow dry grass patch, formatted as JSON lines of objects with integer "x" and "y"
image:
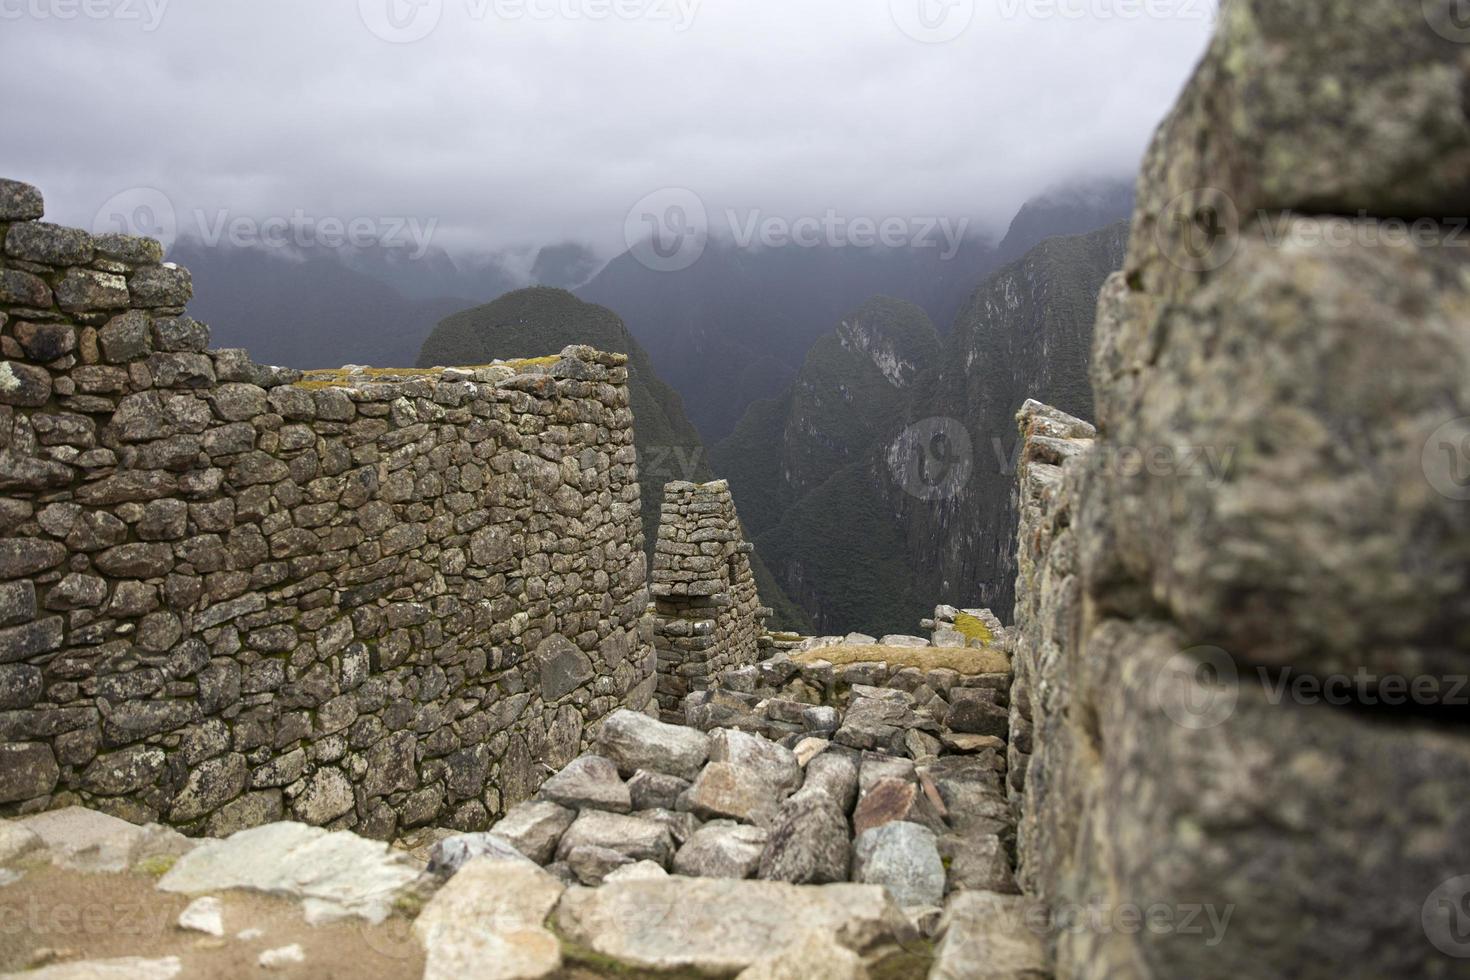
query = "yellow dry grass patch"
{"x": 966, "y": 661}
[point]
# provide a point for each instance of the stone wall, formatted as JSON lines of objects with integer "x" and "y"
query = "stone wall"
{"x": 230, "y": 592}
{"x": 1262, "y": 519}
{"x": 707, "y": 614}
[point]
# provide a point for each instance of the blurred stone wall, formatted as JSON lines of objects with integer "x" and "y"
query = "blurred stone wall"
{"x": 1243, "y": 614}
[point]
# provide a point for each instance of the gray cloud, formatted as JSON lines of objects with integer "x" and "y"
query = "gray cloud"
{"x": 526, "y": 121}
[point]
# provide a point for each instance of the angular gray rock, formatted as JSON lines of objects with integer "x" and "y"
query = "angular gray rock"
{"x": 989, "y": 937}
{"x": 635, "y": 741}
{"x": 655, "y": 790}
{"x": 633, "y": 837}
{"x": 534, "y": 828}
{"x": 447, "y": 856}
{"x": 904, "y": 858}
{"x": 727, "y": 790}
{"x": 589, "y": 781}
{"x": 721, "y": 850}
{"x": 809, "y": 842}
{"x": 834, "y": 774}
{"x": 592, "y": 864}
{"x": 774, "y": 764}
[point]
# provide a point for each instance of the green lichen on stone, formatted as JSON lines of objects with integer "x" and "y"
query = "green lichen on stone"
{"x": 156, "y": 865}
{"x": 973, "y": 629}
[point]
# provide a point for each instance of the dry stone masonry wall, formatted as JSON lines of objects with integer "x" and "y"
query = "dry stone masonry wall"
{"x": 707, "y": 614}
{"x": 1266, "y": 314}
{"x": 230, "y": 592}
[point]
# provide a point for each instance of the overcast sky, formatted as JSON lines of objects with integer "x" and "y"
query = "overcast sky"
{"x": 528, "y": 121}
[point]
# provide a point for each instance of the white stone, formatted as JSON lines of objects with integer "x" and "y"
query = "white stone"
{"x": 808, "y": 749}
{"x": 274, "y": 959}
{"x": 635, "y": 741}
{"x": 17, "y": 841}
{"x": 653, "y": 925}
{"x": 488, "y": 923}
{"x": 335, "y": 875}
{"x": 205, "y": 915}
{"x": 637, "y": 871}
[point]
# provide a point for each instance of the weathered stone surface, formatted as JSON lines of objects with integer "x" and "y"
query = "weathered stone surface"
{"x": 589, "y": 781}
{"x": 447, "y": 856}
{"x": 809, "y": 843}
{"x": 903, "y": 858}
{"x": 727, "y": 790}
{"x": 535, "y": 827}
{"x": 125, "y": 771}
{"x": 20, "y": 201}
{"x": 327, "y": 796}
{"x": 590, "y": 864}
{"x": 488, "y": 921}
{"x": 334, "y": 875}
{"x": 85, "y": 840}
{"x": 563, "y": 667}
{"x": 977, "y": 862}
{"x": 41, "y": 241}
{"x": 212, "y": 784}
{"x": 162, "y": 285}
{"x": 816, "y": 957}
{"x": 891, "y": 800}
{"x": 648, "y": 924}
{"x": 989, "y": 937}
{"x": 635, "y": 741}
{"x": 634, "y": 837}
{"x": 655, "y": 790}
{"x": 637, "y": 871}
{"x": 721, "y": 850}
{"x": 768, "y": 761}
{"x": 835, "y": 775}
{"x": 27, "y": 770}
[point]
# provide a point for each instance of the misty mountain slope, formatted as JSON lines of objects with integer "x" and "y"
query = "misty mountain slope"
{"x": 311, "y": 312}
{"x": 1027, "y": 333}
{"x": 728, "y": 330}
{"x": 853, "y": 538}
{"x": 1072, "y": 209}
{"x": 541, "y": 320}
{"x": 801, "y": 466}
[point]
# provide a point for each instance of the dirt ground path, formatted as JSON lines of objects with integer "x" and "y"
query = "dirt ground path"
{"x": 52, "y": 915}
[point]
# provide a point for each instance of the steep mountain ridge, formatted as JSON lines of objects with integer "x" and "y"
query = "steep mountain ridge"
{"x": 828, "y": 474}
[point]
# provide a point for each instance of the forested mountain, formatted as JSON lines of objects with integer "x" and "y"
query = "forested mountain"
{"x": 825, "y": 474}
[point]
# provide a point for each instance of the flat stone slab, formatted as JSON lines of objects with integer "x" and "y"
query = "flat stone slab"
{"x": 720, "y": 926}
{"x": 86, "y": 840}
{"x": 334, "y": 875}
{"x": 122, "y": 968}
{"x": 488, "y": 923}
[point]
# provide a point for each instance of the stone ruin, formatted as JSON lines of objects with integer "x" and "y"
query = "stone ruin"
{"x": 707, "y": 615}
{"x": 1082, "y": 799}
